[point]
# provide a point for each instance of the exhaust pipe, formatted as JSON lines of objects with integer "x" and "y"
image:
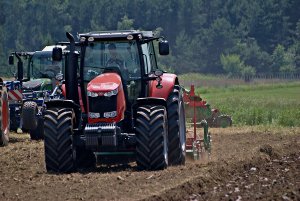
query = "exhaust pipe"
{"x": 20, "y": 68}
{"x": 71, "y": 73}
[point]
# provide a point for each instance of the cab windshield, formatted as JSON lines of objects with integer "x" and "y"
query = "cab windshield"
{"x": 119, "y": 55}
{"x": 42, "y": 65}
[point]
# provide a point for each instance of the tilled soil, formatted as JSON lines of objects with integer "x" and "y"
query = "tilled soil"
{"x": 251, "y": 163}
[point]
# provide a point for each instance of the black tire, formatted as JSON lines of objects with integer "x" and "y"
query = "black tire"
{"x": 84, "y": 158}
{"x": 151, "y": 135}
{"x": 38, "y": 133}
{"x": 14, "y": 118}
{"x": 176, "y": 127}
{"x": 4, "y": 118}
{"x": 29, "y": 111}
{"x": 58, "y": 126}
{"x": 223, "y": 121}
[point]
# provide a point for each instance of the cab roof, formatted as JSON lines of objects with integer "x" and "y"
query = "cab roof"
{"x": 118, "y": 34}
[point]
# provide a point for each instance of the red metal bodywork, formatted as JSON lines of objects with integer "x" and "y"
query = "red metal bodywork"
{"x": 5, "y": 112}
{"x": 63, "y": 88}
{"x": 105, "y": 83}
{"x": 194, "y": 101}
{"x": 168, "y": 82}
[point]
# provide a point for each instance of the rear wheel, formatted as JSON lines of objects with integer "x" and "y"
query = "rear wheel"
{"x": 29, "y": 111}
{"x": 4, "y": 118}
{"x": 38, "y": 132}
{"x": 176, "y": 127}
{"x": 58, "y": 140}
{"x": 151, "y": 134}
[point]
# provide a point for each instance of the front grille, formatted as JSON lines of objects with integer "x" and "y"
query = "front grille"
{"x": 102, "y": 104}
{"x": 104, "y": 134}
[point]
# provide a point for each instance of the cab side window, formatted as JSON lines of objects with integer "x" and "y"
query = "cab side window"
{"x": 152, "y": 56}
{"x": 146, "y": 58}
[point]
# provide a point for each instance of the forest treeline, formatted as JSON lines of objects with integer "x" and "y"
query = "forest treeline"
{"x": 206, "y": 36}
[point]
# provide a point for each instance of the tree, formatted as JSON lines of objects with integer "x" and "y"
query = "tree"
{"x": 253, "y": 55}
{"x": 289, "y": 65}
{"x": 278, "y": 58}
{"x": 233, "y": 65}
{"x": 283, "y": 61}
{"x": 125, "y": 23}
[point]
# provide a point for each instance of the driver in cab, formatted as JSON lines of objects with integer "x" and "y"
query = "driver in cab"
{"x": 115, "y": 60}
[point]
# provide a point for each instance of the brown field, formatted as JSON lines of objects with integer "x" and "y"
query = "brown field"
{"x": 249, "y": 163}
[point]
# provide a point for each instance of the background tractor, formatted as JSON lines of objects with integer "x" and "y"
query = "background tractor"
{"x": 124, "y": 106}
{"x": 32, "y": 87}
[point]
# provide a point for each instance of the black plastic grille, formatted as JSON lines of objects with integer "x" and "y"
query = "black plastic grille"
{"x": 102, "y": 104}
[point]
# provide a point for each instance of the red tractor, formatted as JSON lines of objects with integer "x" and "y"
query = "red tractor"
{"x": 117, "y": 105}
{"x": 4, "y": 115}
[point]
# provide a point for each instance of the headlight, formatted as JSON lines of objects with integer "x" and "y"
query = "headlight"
{"x": 92, "y": 94}
{"x": 110, "y": 114}
{"x": 94, "y": 115}
{"x": 111, "y": 93}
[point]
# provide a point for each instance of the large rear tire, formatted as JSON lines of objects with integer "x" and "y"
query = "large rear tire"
{"x": 4, "y": 117}
{"x": 29, "y": 111}
{"x": 58, "y": 140}
{"x": 177, "y": 127}
{"x": 152, "y": 135}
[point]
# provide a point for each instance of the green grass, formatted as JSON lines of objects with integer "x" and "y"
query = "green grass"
{"x": 261, "y": 104}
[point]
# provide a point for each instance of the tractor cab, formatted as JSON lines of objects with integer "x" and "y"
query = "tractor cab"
{"x": 112, "y": 63}
{"x": 40, "y": 69}
{"x": 130, "y": 54}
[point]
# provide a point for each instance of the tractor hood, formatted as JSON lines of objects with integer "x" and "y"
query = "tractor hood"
{"x": 37, "y": 84}
{"x": 104, "y": 83}
{"x": 106, "y": 99}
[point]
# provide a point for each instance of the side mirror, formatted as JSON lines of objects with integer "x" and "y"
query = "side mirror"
{"x": 11, "y": 60}
{"x": 163, "y": 47}
{"x": 57, "y": 54}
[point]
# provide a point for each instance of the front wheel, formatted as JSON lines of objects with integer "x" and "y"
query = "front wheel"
{"x": 29, "y": 111}
{"x": 58, "y": 140}
{"x": 152, "y": 135}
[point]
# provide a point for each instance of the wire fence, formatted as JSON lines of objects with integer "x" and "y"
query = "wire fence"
{"x": 280, "y": 76}
{"x": 224, "y": 80}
